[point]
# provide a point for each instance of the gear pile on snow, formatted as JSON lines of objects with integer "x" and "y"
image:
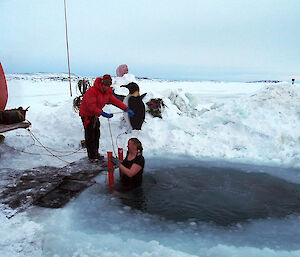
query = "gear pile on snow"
{"x": 13, "y": 116}
{"x": 155, "y": 107}
{"x": 83, "y": 85}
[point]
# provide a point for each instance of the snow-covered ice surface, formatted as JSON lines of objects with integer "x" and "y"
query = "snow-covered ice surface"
{"x": 250, "y": 126}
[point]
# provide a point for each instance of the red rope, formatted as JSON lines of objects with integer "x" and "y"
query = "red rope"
{"x": 67, "y": 41}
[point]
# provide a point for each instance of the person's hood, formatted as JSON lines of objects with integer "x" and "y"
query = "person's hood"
{"x": 98, "y": 84}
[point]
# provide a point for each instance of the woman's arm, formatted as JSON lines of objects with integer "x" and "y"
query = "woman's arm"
{"x": 116, "y": 102}
{"x": 135, "y": 168}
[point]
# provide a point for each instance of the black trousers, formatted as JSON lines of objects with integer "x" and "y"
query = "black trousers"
{"x": 92, "y": 136}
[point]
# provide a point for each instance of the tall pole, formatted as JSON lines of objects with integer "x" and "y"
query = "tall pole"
{"x": 67, "y": 41}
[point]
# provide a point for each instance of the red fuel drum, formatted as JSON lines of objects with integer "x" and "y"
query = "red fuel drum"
{"x": 3, "y": 89}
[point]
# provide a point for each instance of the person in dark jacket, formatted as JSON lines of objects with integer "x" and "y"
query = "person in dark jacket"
{"x": 132, "y": 168}
{"x": 90, "y": 110}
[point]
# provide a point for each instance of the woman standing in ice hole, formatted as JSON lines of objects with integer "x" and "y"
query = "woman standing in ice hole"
{"x": 131, "y": 169}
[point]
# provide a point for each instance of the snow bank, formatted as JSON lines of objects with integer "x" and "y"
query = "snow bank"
{"x": 238, "y": 122}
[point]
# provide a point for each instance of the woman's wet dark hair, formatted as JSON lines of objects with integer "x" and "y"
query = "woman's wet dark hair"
{"x": 138, "y": 144}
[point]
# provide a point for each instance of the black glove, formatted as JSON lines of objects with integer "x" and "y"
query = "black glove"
{"x": 115, "y": 161}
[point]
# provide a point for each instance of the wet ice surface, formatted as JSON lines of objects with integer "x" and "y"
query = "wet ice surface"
{"x": 218, "y": 210}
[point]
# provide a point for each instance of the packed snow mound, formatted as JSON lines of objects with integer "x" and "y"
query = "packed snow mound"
{"x": 261, "y": 127}
{"x": 124, "y": 80}
{"x": 268, "y": 97}
{"x": 281, "y": 95}
{"x": 189, "y": 104}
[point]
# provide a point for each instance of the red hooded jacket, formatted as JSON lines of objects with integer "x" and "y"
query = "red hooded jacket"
{"x": 95, "y": 99}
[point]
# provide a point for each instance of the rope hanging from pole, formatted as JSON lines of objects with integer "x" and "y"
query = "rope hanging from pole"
{"x": 111, "y": 136}
{"x": 67, "y": 41}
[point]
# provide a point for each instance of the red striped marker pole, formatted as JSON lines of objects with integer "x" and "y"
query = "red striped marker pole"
{"x": 110, "y": 169}
{"x": 120, "y": 155}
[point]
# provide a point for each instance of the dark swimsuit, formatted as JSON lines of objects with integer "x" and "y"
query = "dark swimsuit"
{"x": 129, "y": 183}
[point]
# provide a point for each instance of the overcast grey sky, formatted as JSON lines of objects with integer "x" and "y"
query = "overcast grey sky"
{"x": 192, "y": 39}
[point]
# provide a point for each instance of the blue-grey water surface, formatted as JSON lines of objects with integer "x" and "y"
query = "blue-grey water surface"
{"x": 220, "y": 195}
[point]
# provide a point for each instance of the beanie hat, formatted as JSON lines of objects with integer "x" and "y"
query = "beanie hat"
{"x": 106, "y": 80}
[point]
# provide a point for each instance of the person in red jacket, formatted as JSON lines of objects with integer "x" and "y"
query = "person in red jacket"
{"x": 90, "y": 110}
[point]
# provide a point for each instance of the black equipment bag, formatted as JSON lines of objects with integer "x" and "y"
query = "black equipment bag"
{"x": 13, "y": 116}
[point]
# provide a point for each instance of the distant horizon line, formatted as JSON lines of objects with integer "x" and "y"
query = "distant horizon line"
{"x": 158, "y": 78}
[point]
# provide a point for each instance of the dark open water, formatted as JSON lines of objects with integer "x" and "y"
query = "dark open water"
{"x": 219, "y": 195}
